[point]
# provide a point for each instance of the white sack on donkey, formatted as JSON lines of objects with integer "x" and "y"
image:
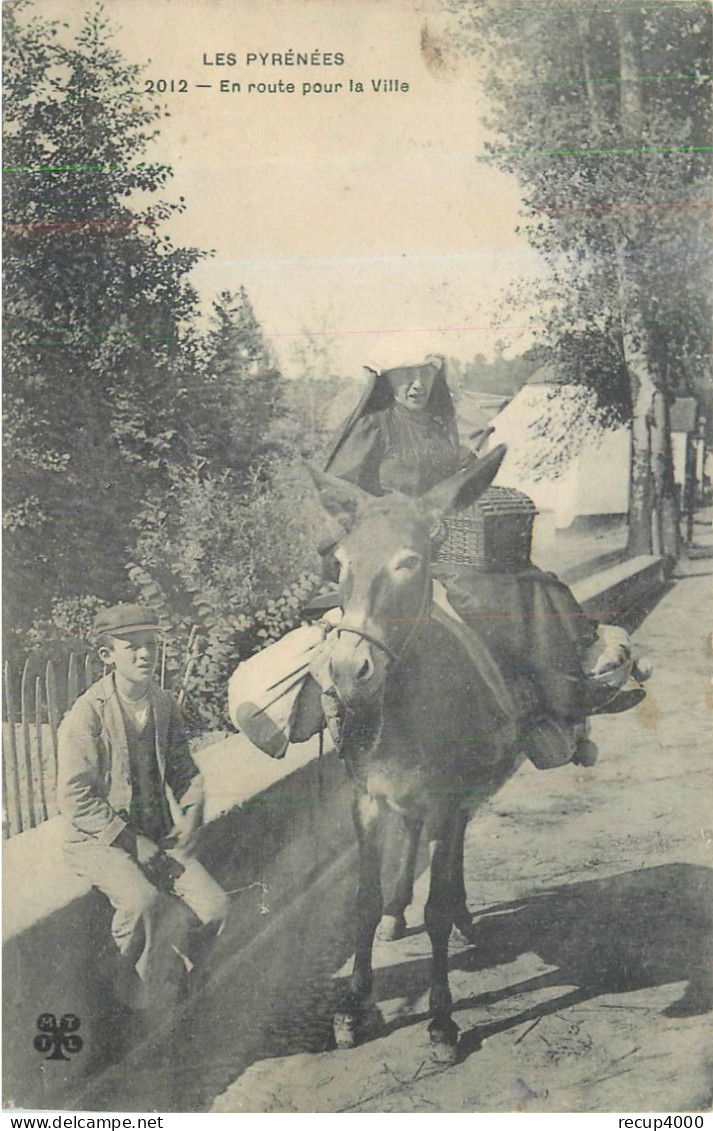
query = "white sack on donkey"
{"x": 274, "y": 697}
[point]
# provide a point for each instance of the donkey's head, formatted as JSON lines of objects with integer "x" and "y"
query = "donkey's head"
{"x": 384, "y": 559}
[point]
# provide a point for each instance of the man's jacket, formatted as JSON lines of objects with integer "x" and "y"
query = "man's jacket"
{"x": 94, "y": 776}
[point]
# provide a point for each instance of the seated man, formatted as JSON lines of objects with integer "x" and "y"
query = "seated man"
{"x": 133, "y": 802}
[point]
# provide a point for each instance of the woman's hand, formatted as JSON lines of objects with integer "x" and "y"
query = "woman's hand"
{"x": 479, "y": 437}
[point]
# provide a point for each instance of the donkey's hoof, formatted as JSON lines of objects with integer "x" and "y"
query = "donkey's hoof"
{"x": 463, "y": 930}
{"x": 346, "y": 1030}
{"x": 443, "y": 1038}
{"x": 586, "y": 753}
{"x": 391, "y": 928}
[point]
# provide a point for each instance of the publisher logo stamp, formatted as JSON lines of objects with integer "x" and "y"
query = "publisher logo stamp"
{"x": 55, "y": 1036}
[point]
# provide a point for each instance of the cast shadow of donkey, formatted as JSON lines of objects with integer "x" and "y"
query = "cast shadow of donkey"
{"x": 652, "y": 927}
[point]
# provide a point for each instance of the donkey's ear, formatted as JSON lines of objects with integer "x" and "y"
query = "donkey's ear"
{"x": 340, "y": 499}
{"x": 465, "y": 486}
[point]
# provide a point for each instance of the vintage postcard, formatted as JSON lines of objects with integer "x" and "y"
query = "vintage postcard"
{"x": 358, "y": 397}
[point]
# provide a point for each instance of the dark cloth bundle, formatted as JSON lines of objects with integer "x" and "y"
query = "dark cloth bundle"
{"x": 535, "y": 630}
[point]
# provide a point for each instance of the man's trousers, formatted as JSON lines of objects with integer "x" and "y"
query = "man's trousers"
{"x": 151, "y": 928}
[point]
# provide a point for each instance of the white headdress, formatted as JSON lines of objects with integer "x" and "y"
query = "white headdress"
{"x": 400, "y": 350}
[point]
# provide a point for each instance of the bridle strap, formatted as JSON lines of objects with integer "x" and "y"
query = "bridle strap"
{"x": 369, "y": 639}
{"x": 394, "y": 657}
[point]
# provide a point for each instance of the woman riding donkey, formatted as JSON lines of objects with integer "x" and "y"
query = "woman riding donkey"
{"x": 403, "y": 437}
{"x": 422, "y": 704}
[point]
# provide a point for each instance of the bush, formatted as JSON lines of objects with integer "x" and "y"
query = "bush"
{"x": 67, "y": 630}
{"x": 227, "y": 572}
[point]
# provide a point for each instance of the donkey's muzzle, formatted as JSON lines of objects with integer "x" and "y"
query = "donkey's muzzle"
{"x": 357, "y": 666}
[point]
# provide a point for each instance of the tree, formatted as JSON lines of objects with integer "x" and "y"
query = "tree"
{"x": 238, "y": 393}
{"x": 225, "y": 554}
{"x": 144, "y": 452}
{"x": 96, "y": 308}
{"x": 502, "y": 376}
{"x": 606, "y": 118}
{"x": 311, "y": 393}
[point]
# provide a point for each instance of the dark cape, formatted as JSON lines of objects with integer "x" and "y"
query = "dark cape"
{"x": 383, "y": 446}
{"x": 535, "y": 630}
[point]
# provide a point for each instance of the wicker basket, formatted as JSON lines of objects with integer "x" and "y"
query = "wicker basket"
{"x": 495, "y": 534}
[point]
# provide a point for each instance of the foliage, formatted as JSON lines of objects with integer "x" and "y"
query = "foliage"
{"x": 598, "y": 150}
{"x": 216, "y": 559}
{"x": 563, "y": 425}
{"x": 310, "y": 396}
{"x": 502, "y": 375}
{"x": 96, "y": 302}
{"x": 67, "y": 629}
{"x": 604, "y": 115}
{"x": 148, "y": 456}
{"x": 237, "y": 391}
{"x": 308, "y": 427}
{"x": 232, "y": 529}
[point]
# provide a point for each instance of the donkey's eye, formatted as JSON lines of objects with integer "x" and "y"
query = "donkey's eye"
{"x": 406, "y": 563}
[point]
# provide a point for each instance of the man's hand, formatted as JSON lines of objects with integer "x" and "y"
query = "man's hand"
{"x": 184, "y": 833}
{"x": 146, "y": 850}
{"x": 139, "y": 847}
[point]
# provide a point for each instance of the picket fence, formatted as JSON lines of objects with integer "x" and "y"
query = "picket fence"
{"x": 31, "y": 717}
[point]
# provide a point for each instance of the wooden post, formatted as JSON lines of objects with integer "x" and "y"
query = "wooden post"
{"x": 72, "y": 680}
{"x": 52, "y": 708}
{"x": 88, "y": 671}
{"x": 184, "y": 682}
{"x": 12, "y": 753}
{"x": 40, "y": 753}
{"x": 5, "y": 803}
{"x": 5, "y": 806}
{"x": 25, "y": 709}
{"x": 192, "y": 657}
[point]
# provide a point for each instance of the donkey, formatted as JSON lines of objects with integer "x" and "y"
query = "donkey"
{"x": 426, "y": 731}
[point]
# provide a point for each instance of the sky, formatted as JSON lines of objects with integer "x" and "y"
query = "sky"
{"x": 361, "y": 217}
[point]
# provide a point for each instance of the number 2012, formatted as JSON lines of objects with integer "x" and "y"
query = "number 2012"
{"x": 163, "y": 86}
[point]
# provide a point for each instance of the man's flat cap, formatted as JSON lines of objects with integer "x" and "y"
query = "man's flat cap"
{"x": 120, "y": 620}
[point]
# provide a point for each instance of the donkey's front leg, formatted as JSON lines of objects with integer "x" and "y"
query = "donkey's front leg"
{"x": 462, "y": 919}
{"x": 393, "y": 920}
{"x": 444, "y": 896}
{"x": 369, "y": 826}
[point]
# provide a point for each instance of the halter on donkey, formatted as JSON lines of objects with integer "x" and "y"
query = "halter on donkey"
{"x": 424, "y": 734}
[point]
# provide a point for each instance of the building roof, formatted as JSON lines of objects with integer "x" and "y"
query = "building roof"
{"x": 475, "y": 410}
{"x": 546, "y": 375}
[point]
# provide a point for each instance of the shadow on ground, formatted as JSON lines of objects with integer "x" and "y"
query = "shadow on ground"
{"x": 277, "y": 998}
{"x": 641, "y": 929}
{"x": 633, "y": 619}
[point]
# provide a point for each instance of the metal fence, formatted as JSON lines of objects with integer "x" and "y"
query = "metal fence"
{"x": 33, "y": 707}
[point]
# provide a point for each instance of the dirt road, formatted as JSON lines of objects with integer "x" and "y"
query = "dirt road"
{"x": 589, "y": 982}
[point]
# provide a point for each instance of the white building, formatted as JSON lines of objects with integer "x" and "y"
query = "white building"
{"x": 573, "y": 468}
